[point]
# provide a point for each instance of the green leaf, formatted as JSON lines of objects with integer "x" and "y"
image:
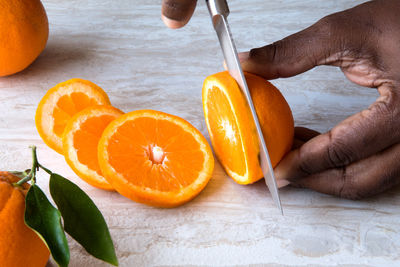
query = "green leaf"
{"x": 82, "y": 219}
{"x": 45, "y": 220}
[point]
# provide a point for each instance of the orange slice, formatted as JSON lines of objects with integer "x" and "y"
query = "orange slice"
{"x": 80, "y": 140}
{"x": 231, "y": 128}
{"x": 62, "y": 102}
{"x": 155, "y": 158}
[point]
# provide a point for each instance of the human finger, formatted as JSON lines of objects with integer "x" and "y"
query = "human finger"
{"x": 301, "y": 135}
{"x": 361, "y": 179}
{"x": 330, "y": 41}
{"x": 304, "y": 134}
{"x": 357, "y": 137}
{"x": 176, "y": 13}
{"x": 294, "y": 54}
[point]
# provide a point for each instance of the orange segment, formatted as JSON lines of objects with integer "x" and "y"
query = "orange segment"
{"x": 62, "y": 102}
{"x": 80, "y": 141}
{"x": 155, "y": 158}
{"x": 232, "y": 132}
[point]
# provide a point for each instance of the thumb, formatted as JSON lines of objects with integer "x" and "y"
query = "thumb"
{"x": 296, "y": 53}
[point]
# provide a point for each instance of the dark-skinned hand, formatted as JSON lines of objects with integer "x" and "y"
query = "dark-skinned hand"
{"x": 360, "y": 156}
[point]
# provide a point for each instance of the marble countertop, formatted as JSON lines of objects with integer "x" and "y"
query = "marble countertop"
{"x": 123, "y": 46}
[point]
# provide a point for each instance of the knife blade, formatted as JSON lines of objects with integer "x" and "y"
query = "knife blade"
{"x": 219, "y": 12}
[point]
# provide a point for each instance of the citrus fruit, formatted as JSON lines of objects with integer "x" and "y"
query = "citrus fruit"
{"x": 80, "y": 140}
{"x": 62, "y": 102}
{"x": 231, "y": 128}
{"x": 19, "y": 245}
{"x": 24, "y": 31}
{"x": 155, "y": 158}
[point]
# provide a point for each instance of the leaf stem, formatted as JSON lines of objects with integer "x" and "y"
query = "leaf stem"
{"x": 21, "y": 175}
{"x": 35, "y": 166}
{"x": 31, "y": 175}
{"x": 23, "y": 180}
{"x": 45, "y": 169}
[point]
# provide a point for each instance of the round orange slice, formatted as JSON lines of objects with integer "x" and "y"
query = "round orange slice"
{"x": 155, "y": 158}
{"x": 231, "y": 128}
{"x": 80, "y": 141}
{"x": 62, "y": 102}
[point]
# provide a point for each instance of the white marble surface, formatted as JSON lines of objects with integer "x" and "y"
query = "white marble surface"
{"x": 123, "y": 46}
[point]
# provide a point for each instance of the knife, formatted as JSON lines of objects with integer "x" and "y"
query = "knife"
{"x": 219, "y": 12}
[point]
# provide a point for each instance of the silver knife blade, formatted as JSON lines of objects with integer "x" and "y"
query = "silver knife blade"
{"x": 219, "y": 12}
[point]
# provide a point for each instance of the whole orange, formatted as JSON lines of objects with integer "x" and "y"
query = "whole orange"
{"x": 232, "y": 131}
{"x": 24, "y": 31}
{"x": 19, "y": 245}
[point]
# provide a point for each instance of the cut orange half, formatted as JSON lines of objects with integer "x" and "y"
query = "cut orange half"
{"x": 80, "y": 141}
{"x": 231, "y": 127}
{"x": 62, "y": 102}
{"x": 155, "y": 158}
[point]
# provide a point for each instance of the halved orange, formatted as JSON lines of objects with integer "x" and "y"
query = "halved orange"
{"x": 231, "y": 128}
{"x": 62, "y": 102}
{"x": 155, "y": 158}
{"x": 80, "y": 141}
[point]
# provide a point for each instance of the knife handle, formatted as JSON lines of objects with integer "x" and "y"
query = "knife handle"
{"x": 218, "y": 7}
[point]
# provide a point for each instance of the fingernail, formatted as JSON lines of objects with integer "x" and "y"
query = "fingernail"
{"x": 243, "y": 56}
{"x": 173, "y": 24}
{"x": 282, "y": 183}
